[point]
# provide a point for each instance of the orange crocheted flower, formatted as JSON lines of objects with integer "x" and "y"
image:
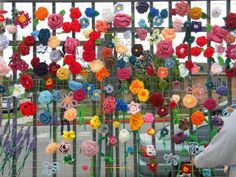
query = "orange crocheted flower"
{"x": 100, "y": 75}
{"x": 106, "y": 52}
{"x": 162, "y": 72}
{"x": 190, "y": 101}
{"x": 41, "y": 13}
{"x": 135, "y": 86}
{"x": 102, "y": 26}
{"x": 136, "y": 121}
{"x": 84, "y": 73}
{"x": 197, "y": 118}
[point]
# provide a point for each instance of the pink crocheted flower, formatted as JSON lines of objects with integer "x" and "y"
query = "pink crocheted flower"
{"x": 89, "y": 148}
{"x": 112, "y": 140}
{"x": 182, "y": 8}
{"x": 142, "y": 33}
{"x": 121, "y": 20}
{"x": 164, "y": 49}
{"x": 210, "y": 104}
{"x": 123, "y": 73}
{"x": 177, "y": 25}
{"x": 148, "y": 118}
{"x": 55, "y": 21}
{"x": 133, "y": 108}
{"x": 70, "y": 45}
{"x": 109, "y": 105}
{"x": 220, "y": 49}
{"x": 102, "y": 26}
{"x": 231, "y": 52}
{"x": 217, "y": 34}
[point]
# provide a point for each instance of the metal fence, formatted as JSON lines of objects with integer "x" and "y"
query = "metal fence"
{"x": 123, "y": 163}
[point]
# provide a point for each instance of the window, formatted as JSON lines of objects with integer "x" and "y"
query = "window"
{"x": 218, "y": 81}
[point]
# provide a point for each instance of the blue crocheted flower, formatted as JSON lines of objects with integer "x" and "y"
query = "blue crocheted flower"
{"x": 164, "y": 131}
{"x": 154, "y": 12}
{"x": 35, "y": 34}
{"x": 89, "y": 12}
{"x": 56, "y": 94}
{"x": 84, "y": 22}
{"x": 121, "y": 63}
{"x": 3, "y": 89}
{"x": 158, "y": 21}
{"x": 196, "y": 26}
{"x": 45, "y": 97}
{"x": 121, "y": 105}
{"x": 109, "y": 88}
{"x": 142, "y": 23}
{"x": 130, "y": 150}
{"x": 45, "y": 118}
{"x": 43, "y": 36}
{"x": 169, "y": 63}
{"x": 164, "y": 13}
{"x": 132, "y": 59}
{"x": 96, "y": 95}
{"x": 89, "y": 88}
{"x": 73, "y": 85}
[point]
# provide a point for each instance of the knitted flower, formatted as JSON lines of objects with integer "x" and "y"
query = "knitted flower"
{"x": 195, "y": 13}
{"x": 156, "y": 99}
{"x": 109, "y": 88}
{"x": 109, "y": 105}
{"x": 75, "y": 68}
{"x": 95, "y": 122}
{"x": 229, "y": 39}
{"x": 102, "y": 73}
{"x": 124, "y": 135}
{"x": 102, "y": 26}
{"x": 135, "y": 86}
{"x": 89, "y": 148}
{"x": 68, "y": 101}
{"x": 112, "y": 140}
{"x": 217, "y": 34}
{"x": 143, "y": 95}
{"x": 164, "y": 49}
{"x": 70, "y": 114}
{"x": 28, "y": 108}
{"x": 63, "y": 73}
{"x": 141, "y": 33}
{"x": 123, "y": 74}
{"x": 168, "y": 34}
{"x": 55, "y": 21}
{"x": 116, "y": 124}
{"x": 84, "y": 22}
{"x": 148, "y": 118}
{"x": 65, "y": 147}
{"x": 22, "y": 19}
{"x": 41, "y": 13}
{"x": 23, "y": 49}
{"x": 79, "y": 95}
{"x": 107, "y": 14}
{"x": 190, "y": 101}
{"x": 121, "y": 20}
{"x": 18, "y": 90}
{"x": 53, "y": 42}
{"x": 162, "y": 72}
{"x": 106, "y": 52}
{"x": 135, "y": 121}
{"x": 230, "y": 21}
{"x": 133, "y": 108}
{"x": 197, "y": 118}
{"x": 68, "y": 135}
{"x": 121, "y": 105}
{"x": 182, "y": 8}
{"x": 210, "y": 104}
{"x": 43, "y": 36}
{"x": 231, "y": 52}
{"x": 75, "y": 13}
{"x": 49, "y": 83}
{"x": 52, "y": 148}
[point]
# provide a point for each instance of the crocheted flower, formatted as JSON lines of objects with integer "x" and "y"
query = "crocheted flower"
{"x": 164, "y": 49}
{"x": 141, "y": 33}
{"x": 182, "y": 50}
{"x": 208, "y": 53}
{"x": 107, "y": 14}
{"x": 190, "y": 101}
{"x": 148, "y": 118}
{"x": 216, "y": 34}
{"x": 23, "y": 49}
{"x": 230, "y": 21}
{"x": 89, "y": 88}
{"x": 123, "y": 74}
{"x": 73, "y": 85}
{"x": 53, "y": 42}
{"x": 121, "y": 105}
{"x": 90, "y": 12}
{"x": 18, "y": 90}
{"x": 70, "y": 114}
{"x": 22, "y": 19}
{"x": 195, "y": 13}
{"x": 215, "y": 12}
{"x": 158, "y": 21}
{"x": 121, "y": 20}
{"x": 150, "y": 70}
{"x": 210, "y": 104}
{"x": 26, "y": 81}
{"x": 75, "y": 68}
{"x": 50, "y": 168}
{"x": 156, "y": 99}
{"x": 229, "y": 39}
{"x": 28, "y": 108}
{"x": 49, "y": 83}
{"x": 84, "y": 22}
{"x": 68, "y": 135}
{"x": 183, "y": 71}
{"x": 103, "y": 73}
{"x": 133, "y": 108}
{"x": 116, "y": 124}
{"x": 178, "y": 138}
{"x": 68, "y": 101}
{"x": 45, "y": 117}
{"x": 196, "y": 51}
{"x": 55, "y": 55}
{"x": 103, "y": 129}
{"x": 53, "y": 67}
{"x": 43, "y": 36}
{"x": 124, "y": 135}
{"x": 197, "y": 118}
{"x": 70, "y": 45}
{"x": 96, "y": 65}
{"x": 55, "y": 21}
{"x": 184, "y": 124}
{"x": 56, "y": 94}
{"x": 143, "y": 95}
{"x": 45, "y": 97}
{"x": 75, "y": 13}
{"x": 162, "y": 72}
{"x": 41, "y": 13}
{"x": 102, "y": 26}
{"x": 135, "y": 121}
{"x": 118, "y": 7}
{"x": 89, "y": 55}
{"x": 79, "y": 95}
{"x": 63, "y": 73}
{"x": 135, "y": 86}
{"x": 109, "y": 105}
{"x": 89, "y": 148}
{"x": 231, "y": 52}
{"x": 168, "y": 34}
{"x": 177, "y": 25}
{"x": 4, "y": 42}
{"x": 162, "y": 111}
{"x": 217, "y": 121}
{"x": 182, "y": 8}
{"x": 109, "y": 88}
{"x": 95, "y": 122}
{"x": 137, "y": 50}
{"x": 52, "y": 148}
{"x": 142, "y": 6}
{"x": 196, "y": 26}
{"x": 3, "y": 89}
{"x": 4, "y": 68}
{"x": 222, "y": 90}
{"x": 121, "y": 49}
{"x": 201, "y": 41}
{"x": 112, "y": 140}
{"x": 65, "y": 147}
{"x": 11, "y": 28}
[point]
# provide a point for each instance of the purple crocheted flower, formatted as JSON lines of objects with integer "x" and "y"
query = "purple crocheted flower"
{"x": 178, "y": 138}
{"x": 231, "y": 52}
{"x": 222, "y": 90}
{"x": 196, "y": 26}
{"x": 217, "y": 121}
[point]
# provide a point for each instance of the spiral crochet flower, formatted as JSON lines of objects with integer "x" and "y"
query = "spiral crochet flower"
{"x": 124, "y": 135}
{"x": 89, "y": 148}
{"x": 217, "y": 34}
{"x": 55, "y": 55}
{"x": 143, "y": 95}
{"x": 70, "y": 45}
{"x": 164, "y": 49}
{"x": 121, "y": 105}
{"x": 121, "y": 20}
{"x": 45, "y": 117}
{"x": 45, "y": 97}
{"x": 109, "y": 105}
{"x": 63, "y": 73}
{"x": 102, "y": 26}
{"x": 182, "y": 8}
{"x": 55, "y": 21}
{"x": 141, "y": 33}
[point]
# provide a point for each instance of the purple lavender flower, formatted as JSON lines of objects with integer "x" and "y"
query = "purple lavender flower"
{"x": 19, "y": 148}
{"x": 9, "y": 103}
{"x": 7, "y": 148}
{"x": 6, "y": 140}
{"x": 196, "y": 26}
{"x": 19, "y": 135}
{"x": 33, "y": 144}
{"x": 6, "y": 127}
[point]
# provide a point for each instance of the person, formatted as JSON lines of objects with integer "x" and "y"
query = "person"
{"x": 222, "y": 149}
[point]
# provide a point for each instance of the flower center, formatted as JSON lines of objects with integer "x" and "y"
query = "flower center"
{"x": 22, "y": 18}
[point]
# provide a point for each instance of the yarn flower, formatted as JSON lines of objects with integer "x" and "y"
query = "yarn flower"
{"x": 18, "y": 90}
{"x": 96, "y": 65}
{"x": 96, "y": 95}
{"x": 102, "y": 26}
{"x": 195, "y": 13}
{"x": 63, "y": 73}
{"x": 68, "y": 101}
{"x": 103, "y": 73}
{"x": 50, "y": 168}
{"x": 28, "y": 108}
{"x": 26, "y": 81}
{"x": 45, "y": 97}
{"x": 148, "y": 118}
{"x": 135, "y": 86}
{"x": 141, "y": 33}
{"x": 156, "y": 99}
{"x": 22, "y": 19}
{"x": 95, "y": 122}
{"x": 133, "y": 108}
{"x": 182, "y": 8}
{"x": 222, "y": 90}
{"x": 123, "y": 74}
{"x": 190, "y": 101}
{"x": 52, "y": 148}
{"x": 135, "y": 121}
{"x": 41, "y": 13}
{"x": 124, "y": 135}
{"x": 70, "y": 114}
{"x": 112, "y": 140}
{"x": 231, "y": 52}
{"x": 68, "y": 135}
{"x": 121, "y": 105}
{"x": 164, "y": 49}
{"x": 197, "y": 118}
{"x": 210, "y": 104}
{"x": 89, "y": 88}
{"x": 79, "y": 95}
{"x": 143, "y": 95}
{"x": 89, "y": 148}
{"x": 109, "y": 105}
{"x": 53, "y": 42}
{"x": 109, "y": 88}
{"x": 55, "y": 21}
{"x": 182, "y": 50}
{"x": 45, "y": 117}
{"x": 64, "y": 147}
{"x": 168, "y": 34}
{"x": 121, "y": 20}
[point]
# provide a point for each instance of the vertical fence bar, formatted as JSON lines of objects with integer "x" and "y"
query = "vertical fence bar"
{"x": 1, "y": 77}
{"x": 35, "y": 78}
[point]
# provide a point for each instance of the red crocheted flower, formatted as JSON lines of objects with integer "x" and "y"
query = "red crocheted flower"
{"x": 94, "y": 35}
{"x": 150, "y": 70}
{"x": 75, "y": 26}
{"x": 79, "y": 95}
{"x": 106, "y": 52}
{"x": 68, "y": 59}
{"x": 23, "y": 49}
{"x": 156, "y": 99}
{"x": 210, "y": 104}
{"x": 66, "y": 27}
{"x": 109, "y": 105}
{"x": 26, "y": 81}
{"x": 230, "y": 73}
{"x": 201, "y": 41}
{"x": 35, "y": 62}
{"x": 230, "y": 21}
{"x": 182, "y": 50}
{"x": 208, "y": 53}
{"x": 172, "y": 105}
{"x": 89, "y": 45}
{"x": 53, "y": 67}
{"x": 162, "y": 111}
{"x": 29, "y": 40}
{"x": 28, "y": 108}
{"x": 89, "y": 55}
{"x": 75, "y": 67}
{"x": 49, "y": 83}
{"x": 123, "y": 73}
{"x": 196, "y": 51}
{"x": 188, "y": 65}
{"x": 75, "y": 13}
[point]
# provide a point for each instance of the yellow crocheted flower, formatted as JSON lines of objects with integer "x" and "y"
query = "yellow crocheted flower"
{"x": 95, "y": 122}
{"x": 63, "y": 73}
{"x": 70, "y": 114}
{"x": 68, "y": 135}
{"x": 168, "y": 33}
{"x": 136, "y": 121}
{"x": 121, "y": 49}
{"x": 116, "y": 124}
{"x": 195, "y": 13}
{"x": 143, "y": 95}
{"x": 53, "y": 42}
{"x": 135, "y": 86}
